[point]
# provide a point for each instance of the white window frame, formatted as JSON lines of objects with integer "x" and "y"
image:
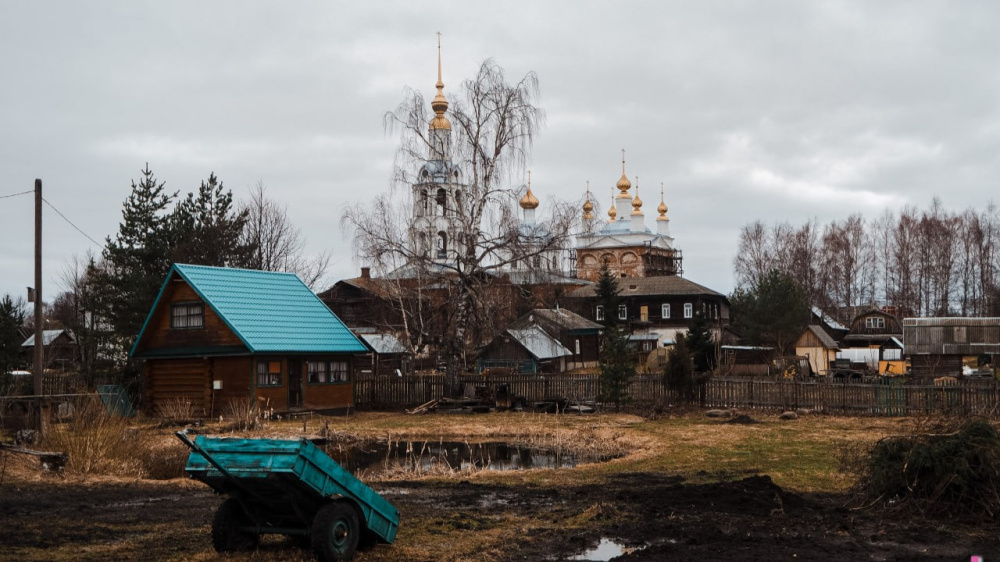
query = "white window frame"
{"x": 688, "y": 310}
{"x": 665, "y": 310}
{"x": 599, "y": 314}
{"x": 622, "y": 312}
{"x": 874, "y": 322}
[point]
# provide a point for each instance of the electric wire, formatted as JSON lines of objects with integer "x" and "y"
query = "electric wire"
{"x": 16, "y": 194}
{"x": 71, "y": 223}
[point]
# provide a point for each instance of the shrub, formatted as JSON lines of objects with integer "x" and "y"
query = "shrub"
{"x": 944, "y": 473}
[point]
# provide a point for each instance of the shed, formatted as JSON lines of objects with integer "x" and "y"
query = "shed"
{"x": 60, "y": 348}
{"x": 816, "y": 344}
{"x": 215, "y": 335}
{"x": 527, "y": 350}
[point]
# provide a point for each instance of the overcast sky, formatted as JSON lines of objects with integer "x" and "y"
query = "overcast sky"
{"x": 744, "y": 110}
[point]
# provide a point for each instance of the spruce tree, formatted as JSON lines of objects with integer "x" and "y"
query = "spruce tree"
{"x": 617, "y": 354}
{"x": 12, "y": 317}
{"x": 136, "y": 260}
{"x": 207, "y": 228}
{"x": 700, "y": 342}
{"x": 679, "y": 373}
{"x": 607, "y": 291}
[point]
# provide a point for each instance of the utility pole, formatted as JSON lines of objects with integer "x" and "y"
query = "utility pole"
{"x": 42, "y": 410}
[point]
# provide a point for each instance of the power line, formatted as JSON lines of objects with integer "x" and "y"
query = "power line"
{"x": 70, "y": 222}
{"x": 16, "y": 194}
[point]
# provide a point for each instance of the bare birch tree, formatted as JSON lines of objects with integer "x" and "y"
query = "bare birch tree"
{"x": 495, "y": 123}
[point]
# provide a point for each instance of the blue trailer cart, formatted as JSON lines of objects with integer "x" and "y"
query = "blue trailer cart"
{"x": 290, "y": 488}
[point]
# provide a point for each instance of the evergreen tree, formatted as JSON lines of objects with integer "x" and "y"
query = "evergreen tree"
{"x": 700, "y": 343}
{"x": 679, "y": 374}
{"x": 773, "y": 313}
{"x": 12, "y": 317}
{"x": 607, "y": 291}
{"x": 207, "y": 228}
{"x": 136, "y": 261}
{"x": 617, "y": 366}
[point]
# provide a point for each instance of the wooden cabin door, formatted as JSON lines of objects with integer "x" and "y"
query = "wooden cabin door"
{"x": 294, "y": 383}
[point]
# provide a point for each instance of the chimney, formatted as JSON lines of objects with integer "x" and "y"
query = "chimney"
{"x": 366, "y": 273}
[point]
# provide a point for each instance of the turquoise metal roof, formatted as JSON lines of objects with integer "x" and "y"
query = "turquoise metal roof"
{"x": 269, "y": 311}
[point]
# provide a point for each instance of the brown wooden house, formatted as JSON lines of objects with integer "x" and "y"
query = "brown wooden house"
{"x": 219, "y": 334}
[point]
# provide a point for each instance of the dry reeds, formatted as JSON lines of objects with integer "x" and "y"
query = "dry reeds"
{"x": 96, "y": 442}
{"x": 176, "y": 409}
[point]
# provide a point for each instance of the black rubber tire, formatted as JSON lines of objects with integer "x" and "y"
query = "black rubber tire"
{"x": 226, "y": 533}
{"x": 335, "y": 532}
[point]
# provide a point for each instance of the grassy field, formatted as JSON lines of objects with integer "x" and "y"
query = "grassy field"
{"x": 132, "y": 503}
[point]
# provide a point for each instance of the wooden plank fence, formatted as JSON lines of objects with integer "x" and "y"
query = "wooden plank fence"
{"x": 647, "y": 391}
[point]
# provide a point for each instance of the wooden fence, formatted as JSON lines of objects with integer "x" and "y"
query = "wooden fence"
{"x": 647, "y": 391}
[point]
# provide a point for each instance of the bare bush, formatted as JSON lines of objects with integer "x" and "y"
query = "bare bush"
{"x": 96, "y": 442}
{"x": 176, "y": 409}
{"x": 246, "y": 415}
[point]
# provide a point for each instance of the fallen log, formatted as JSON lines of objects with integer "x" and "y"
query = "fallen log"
{"x": 50, "y": 460}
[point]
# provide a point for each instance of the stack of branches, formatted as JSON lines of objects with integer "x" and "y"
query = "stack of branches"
{"x": 951, "y": 472}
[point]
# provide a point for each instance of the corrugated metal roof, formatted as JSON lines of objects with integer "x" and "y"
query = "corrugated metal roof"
{"x": 953, "y": 321}
{"x": 828, "y": 320}
{"x": 384, "y": 343}
{"x": 538, "y": 343}
{"x": 269, "y": 311}
{"x": 48, "y": 336}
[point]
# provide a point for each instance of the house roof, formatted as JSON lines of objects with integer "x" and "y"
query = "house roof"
{"x": 269, "y": 311}
{"x": 384, "y": 343}
{"x": 48, "y": 336}
{"x": 823, "y": 337}
{"x": 555, "y": 320}
{"x": 828, "y": 320}
{"x": 643, "y": 286}
{"x": 538, "y": 343}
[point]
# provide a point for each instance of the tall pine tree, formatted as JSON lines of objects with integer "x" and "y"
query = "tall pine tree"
{"x": 137, "y": 260}
{"x": 207, "y": 228}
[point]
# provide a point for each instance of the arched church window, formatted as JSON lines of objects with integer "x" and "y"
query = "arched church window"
{"x": 442, "y": 202}
{"x": 422, "y": 244}
{"x": 442, "y": 245}
{"x": 538, "y": 262}
{"x": 423, "y": 200}
{"x": 458, "y": 201}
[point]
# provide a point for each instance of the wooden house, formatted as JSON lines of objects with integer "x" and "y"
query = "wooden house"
{"x": 936, "y": 346}
{"x": 219, "y": 334}
{"x": 60, "y": 349}
{"x": 524, "y": 350}
{"x": 818, "y": 347}
{"x": 577, "y": 334}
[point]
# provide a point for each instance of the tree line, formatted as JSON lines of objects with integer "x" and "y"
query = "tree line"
{"x": 929, "y": 262}
{"x": 108, "y": 296}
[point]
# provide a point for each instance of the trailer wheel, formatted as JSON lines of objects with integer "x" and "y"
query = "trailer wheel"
{"x": 335, "y": 532}
{"x": 226, "y": 533}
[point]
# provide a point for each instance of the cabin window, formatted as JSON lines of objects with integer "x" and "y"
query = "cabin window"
{"x": 327, "y": 372}
{"x": 622, "y": 312}
{"x": 874, "y": 322}
{"x": 644, "y": 313}
{"x": 187, "y": 316}
{"x": 647, "y": 346}
{"x": 688, "y": 310}
{"x": 599, "y": 315}
{"x": 269, "y": 373}
{"x": 665, "y": 310}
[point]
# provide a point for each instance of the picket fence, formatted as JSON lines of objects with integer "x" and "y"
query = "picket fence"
{"x": 647, "y": 392}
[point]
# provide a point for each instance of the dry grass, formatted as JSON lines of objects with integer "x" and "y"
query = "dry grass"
{"x": 176, "y": 409}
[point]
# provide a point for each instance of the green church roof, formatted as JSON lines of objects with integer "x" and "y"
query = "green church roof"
{"x": 269, "y": 311}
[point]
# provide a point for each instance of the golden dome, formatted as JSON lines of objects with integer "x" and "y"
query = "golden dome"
{"x": 439, "y": 104}
{"x": 636, "y": 202}
{"x": 588, "y": 206}
{"x": 662, "y": 207}
{"x": 623, "y": 184}
{"x": 612, "y": 212}
{"x": 529, "y": 201}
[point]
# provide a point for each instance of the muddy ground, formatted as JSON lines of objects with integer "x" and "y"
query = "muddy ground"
{"x": 662, "y": 517}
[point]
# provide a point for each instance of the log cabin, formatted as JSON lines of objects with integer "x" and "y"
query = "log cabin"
{"x": 215, "y": 335}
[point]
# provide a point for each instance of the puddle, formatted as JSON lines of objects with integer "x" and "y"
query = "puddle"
{"x": 605, "y": 550}
{"x": 421, "y": 456}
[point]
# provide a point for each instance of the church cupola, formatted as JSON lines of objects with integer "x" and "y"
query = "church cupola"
{"x": 612, "y": 212}
{"x": 588, "y": 207}
{"x": 529, "y": 203}
{"x": 439, "y": 129}
{"x": 637, "y": 218}
{"x": 662, "y": 222}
